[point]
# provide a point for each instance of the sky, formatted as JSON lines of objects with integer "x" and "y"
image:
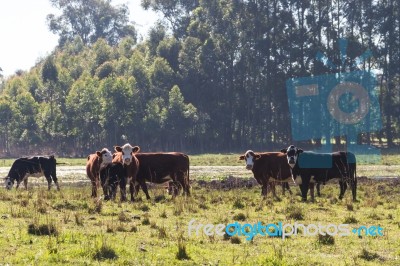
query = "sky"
{"x": 25, "y": 37}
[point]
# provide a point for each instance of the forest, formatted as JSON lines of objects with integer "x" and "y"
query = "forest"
{"x": 209, "y": 77}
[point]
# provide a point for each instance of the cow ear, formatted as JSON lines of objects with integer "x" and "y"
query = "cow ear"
{"x": 117, "y": 148}
{"x": 284, "y": 150}
{"x": 299, "y": 150}
{"x": 98, "y": 153}
{"x": 241, "y": 157}
{"x": 135, "y": 149}
{"x": 257, "y": 156}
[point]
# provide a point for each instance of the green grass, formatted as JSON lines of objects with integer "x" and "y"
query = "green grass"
{"x": 40, "y": 227}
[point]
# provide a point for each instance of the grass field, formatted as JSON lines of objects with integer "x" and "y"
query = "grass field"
{"x": 40, "y": 227}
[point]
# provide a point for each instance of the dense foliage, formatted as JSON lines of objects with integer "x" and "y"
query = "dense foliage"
{"x": 209, "y": 77}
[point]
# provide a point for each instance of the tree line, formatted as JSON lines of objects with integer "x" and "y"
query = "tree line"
{"x": 210, "y": 76}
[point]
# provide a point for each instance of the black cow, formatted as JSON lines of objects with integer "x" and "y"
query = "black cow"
{"x": 163, "y": 167}
{"x": 309, "y": 168}
{"x": 113, "y": 175}
{"x": 268, "y": 168}
{"x": 36, "y": 166}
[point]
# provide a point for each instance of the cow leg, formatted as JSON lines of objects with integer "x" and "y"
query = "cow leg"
{"x": 122, "y": 187}
{"x": 56, "y": 182}
{"x": 133, "y": 189}
{"x": 304, "y": 189}
{"x": 354, "y": 188}
{"x": 26, "y": 183}
{"x": 94, "y": 188}
{"x": 184, "y": 183}
{"x": 48, "y": 177}
{"x": 112, "y": 190}
{"x": 144, "y": 188}
{"x": 343, "y": 187}
{"x": 104, "y": 184}
{"x": 94, "y": 182}
{"x": 264, "y": 189}
{"x": 312, "y": 191}
{"x": 285, "y": 186}
{"x": 319, "y": 189}
{"x": 272, "y": 185}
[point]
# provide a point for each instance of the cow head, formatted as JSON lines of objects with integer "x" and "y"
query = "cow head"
{"x": 127, "y": 151}
{"x": 292, "y": 154}
{"x": 249, "y": 157}
{"x": 105, "y": 156}
{"x": 8, "y": 183}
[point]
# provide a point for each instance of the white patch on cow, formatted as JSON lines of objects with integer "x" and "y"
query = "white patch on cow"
{"x": 298, "y": 180}
{"x": 312, "y": 180}
{"x": 8, "y": 183}
{"x": 106, "y": 156}
{"x": 126, "y": 153}
{"x": 249, "y": 162}
{"x": 249, "y": 159}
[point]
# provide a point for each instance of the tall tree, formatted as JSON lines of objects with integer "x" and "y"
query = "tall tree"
{"x": 90, "y": 20}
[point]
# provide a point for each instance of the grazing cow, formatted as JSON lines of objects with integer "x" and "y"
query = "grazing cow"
{"x": 112, "y": 175}
{"x": 309, "y": 168}
{"x": 268, "y": 168}
{"x": 126, "y": 156}
{"x": 93, "y": 164}
{"x": 35, "y": 166}
{"x": 160, "y": 168}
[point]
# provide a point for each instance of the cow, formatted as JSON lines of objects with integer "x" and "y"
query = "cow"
{"x": 158, "y": 168}
{"x": 309, "y": 168}
{"x": 35, "y": 166}
{"x": 93, "y": 164}
{"x": 162, "y": 167}
{"x": 113, "y": 175}
{"x": 268, "y": 168}
{"x": 126, "y": 156}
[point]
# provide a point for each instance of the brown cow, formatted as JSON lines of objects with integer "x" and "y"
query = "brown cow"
{"x": 160, "y": 168}
{"x": 93, "y": 164}
{"x": 126, "y": 155}
{"x": 268, "y": 168}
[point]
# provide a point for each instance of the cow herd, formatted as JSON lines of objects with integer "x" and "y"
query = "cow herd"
{"x": 128, "y": 166}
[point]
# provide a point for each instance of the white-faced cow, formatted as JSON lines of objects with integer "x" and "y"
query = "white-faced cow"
{"x": 93, "y": 164}
{"x": 125, "y": 156}
{"x": 268, "y": 168}
{"x": 309, "y": 168}
{"x": 35, "y": 166}
{"x": 162, "y": 167}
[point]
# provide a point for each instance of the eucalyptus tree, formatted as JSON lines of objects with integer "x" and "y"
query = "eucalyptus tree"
{"x": 179, "y": 120}
{"x": 83, "y": 105}
{"x": 6, "y": 115}
{"x": 90, "y": 20}
{"x": 118, "y": 108}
